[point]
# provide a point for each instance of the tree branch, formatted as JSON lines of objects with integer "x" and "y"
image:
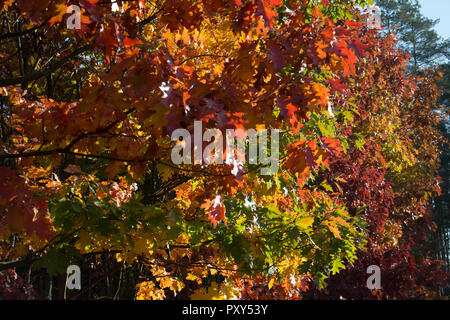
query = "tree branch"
{"x": 67, "y": 148}
{"x": 24, "y": 32}
{"x": 43, "y": 73}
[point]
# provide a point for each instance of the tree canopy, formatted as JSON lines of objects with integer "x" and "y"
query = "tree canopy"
{"x": 85, "y": 152}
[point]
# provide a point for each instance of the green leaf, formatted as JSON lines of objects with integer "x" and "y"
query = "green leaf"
{"x": 54, "y": 262}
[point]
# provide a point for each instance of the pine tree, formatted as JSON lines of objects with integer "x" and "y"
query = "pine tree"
{"x": 415, "y": 32}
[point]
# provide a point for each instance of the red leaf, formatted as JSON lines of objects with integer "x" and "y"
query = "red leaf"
{"x": 215, "y": 210}
{"x": 127, "y": 42}
{"x": 337, "y": 85}
{"x": 266, "y": 8}
{"x": 276, "y": 56}
{"x": 333, "y": 146}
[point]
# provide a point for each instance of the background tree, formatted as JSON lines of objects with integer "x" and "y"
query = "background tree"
{"x": 427, "y": 50}
{"x": 441, "y": 205}
{"x": 416, "y": 33}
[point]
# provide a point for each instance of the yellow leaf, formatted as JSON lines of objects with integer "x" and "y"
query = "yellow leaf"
{"x": 305, "y": 222}
{"x": 271, "y": 282}
{"x": 333, "y": 228}
{"x": 193, "y": 277}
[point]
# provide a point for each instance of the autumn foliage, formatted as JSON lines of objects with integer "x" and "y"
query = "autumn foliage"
{"x": 85, "y": 151}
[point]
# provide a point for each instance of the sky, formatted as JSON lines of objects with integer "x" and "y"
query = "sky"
{"x": 438, "y": 9}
